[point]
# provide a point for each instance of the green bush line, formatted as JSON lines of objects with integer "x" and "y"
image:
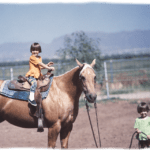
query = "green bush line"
{"x": 105, "y": 101}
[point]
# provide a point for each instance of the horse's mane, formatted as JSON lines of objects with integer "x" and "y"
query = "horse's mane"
{"x": 67, "y": 72}
{"x": 85, "y": 65}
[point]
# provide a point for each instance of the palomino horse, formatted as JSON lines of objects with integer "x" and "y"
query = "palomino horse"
{"x": 60, "y": 107}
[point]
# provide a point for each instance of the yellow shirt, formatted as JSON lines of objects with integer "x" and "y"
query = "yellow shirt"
{"x": 35, "y": 69}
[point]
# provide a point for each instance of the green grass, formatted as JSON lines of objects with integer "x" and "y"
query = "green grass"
{"x": 103, "y": 101}
{"x": 134, "y": 102}
{"x": 146, "y": 86}
{"x": 121, "y": 91}
{"x": 82, "y": 103}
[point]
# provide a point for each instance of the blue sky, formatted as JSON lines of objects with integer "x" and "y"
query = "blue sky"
{"x": 44, "y": 22}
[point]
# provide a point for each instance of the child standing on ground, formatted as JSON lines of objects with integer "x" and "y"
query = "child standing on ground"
{"x": 142, "y": 124}
{"x": 34, "y": 72}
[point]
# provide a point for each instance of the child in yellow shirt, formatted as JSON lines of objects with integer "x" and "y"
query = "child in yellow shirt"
{"x": 35, "y": 64}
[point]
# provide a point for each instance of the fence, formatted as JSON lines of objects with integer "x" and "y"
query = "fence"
{"x": 12, "y": 72}
{"x": 126, "y": 76}
{"x": 117, "y": 77}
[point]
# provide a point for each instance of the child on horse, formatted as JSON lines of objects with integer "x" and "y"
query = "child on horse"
{"x": 142, "y": 125}
{"x": 34, "y": 72}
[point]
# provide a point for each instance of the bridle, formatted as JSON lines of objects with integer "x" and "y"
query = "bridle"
{"x": 87, "y": 107}
{"x": 82, "y": 78}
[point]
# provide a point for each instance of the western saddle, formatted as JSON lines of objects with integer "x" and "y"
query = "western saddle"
{"x": 22, "y": 84}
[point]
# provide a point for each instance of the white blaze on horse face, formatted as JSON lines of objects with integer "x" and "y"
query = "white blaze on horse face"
{"x": 85, "y": 66}
{"x": 89, "y": 72}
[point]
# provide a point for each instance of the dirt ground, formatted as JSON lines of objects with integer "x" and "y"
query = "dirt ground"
{"x": 116, "y": 121}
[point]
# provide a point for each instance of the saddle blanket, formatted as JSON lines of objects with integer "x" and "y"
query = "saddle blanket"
{"x": 21, "y": 95}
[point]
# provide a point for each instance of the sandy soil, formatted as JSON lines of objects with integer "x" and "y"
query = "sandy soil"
{"x": 116, "y": 121}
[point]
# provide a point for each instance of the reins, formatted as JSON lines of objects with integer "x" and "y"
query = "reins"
{"x": 87, "y": 107}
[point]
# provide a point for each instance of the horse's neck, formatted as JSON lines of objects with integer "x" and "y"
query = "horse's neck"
{"x": 1, "y": 81}
{"x": 69, "y": 82}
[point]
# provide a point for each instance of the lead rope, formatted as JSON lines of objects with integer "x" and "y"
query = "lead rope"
{"x": 133, "y": 136}
{"x": 87, "y": 107}
{"x": 95, "y": 105}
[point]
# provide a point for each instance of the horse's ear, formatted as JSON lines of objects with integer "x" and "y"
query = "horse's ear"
{"x": 93, "y": 63}
{"x": 79, "y": 64}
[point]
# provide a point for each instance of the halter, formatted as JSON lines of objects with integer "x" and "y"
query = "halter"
{"x": 85, "y": 66}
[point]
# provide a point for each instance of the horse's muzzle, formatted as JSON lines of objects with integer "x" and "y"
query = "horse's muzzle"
{"x": 91, "y": 97}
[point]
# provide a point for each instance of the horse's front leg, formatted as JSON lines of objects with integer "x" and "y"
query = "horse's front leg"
{"x": 64, "y": 135}
{"x": 53, "y": 134}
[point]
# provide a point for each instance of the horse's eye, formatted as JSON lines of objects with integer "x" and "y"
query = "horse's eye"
{"x": 95, "y": 78}
{"x": 83, "y": 78}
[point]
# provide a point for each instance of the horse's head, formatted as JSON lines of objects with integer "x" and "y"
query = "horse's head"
{"x": 87, "y": 78}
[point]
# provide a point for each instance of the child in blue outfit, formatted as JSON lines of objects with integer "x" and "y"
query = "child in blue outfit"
{"x": 142, "y": 124}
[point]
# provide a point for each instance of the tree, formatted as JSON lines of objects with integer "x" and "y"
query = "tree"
{"x": 80, "y": 46}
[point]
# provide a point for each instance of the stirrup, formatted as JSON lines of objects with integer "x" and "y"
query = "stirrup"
{"x": 33, "y": 103}
{"x": 40, "y": 125}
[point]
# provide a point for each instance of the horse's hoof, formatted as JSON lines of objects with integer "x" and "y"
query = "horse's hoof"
{"x": 40, "y": 125}
{"x": 40, "y": 130}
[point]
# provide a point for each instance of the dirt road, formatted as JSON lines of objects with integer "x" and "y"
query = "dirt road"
{"x": 116, "y": 121}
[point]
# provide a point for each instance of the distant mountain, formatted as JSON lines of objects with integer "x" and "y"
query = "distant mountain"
{"x": 111, "y": 43}
{"x": 21, "y": 51}
{"x": 124, "y": 42}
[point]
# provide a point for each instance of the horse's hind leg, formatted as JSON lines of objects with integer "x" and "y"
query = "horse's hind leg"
{"x": 1, "y": 119}
{"x": 1, "y": 113}
{"x": 64, "y": 135}
{"x": 53, "y": 134}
